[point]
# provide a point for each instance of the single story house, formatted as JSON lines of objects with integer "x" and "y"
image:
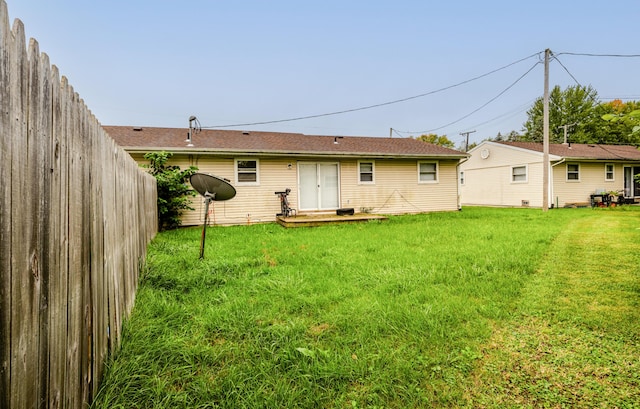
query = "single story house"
{"x": 325, "y": 173}
{"x": 511, "y": 173}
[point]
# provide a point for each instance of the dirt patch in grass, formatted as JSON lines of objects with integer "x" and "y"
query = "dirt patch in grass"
{"x": 319, "y": 329}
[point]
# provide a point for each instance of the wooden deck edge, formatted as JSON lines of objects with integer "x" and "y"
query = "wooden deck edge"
{"x": 314, "y": 221}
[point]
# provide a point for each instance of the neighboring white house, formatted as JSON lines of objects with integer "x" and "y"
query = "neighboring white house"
{"x": 324, "y": 173}
{"x": 511, "y": 173}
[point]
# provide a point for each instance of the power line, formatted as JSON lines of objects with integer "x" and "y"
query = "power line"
{"x": 511, "y": 113}
{"x": 437, "y": 91}
{"x": 555, "y": 57}
{"x": 397, "y": 133}
{"x": 623, "y": 97}
{"x": 479, "y": 108}
{"x": 377, "y": 105}
{"x": 601, "y": 55}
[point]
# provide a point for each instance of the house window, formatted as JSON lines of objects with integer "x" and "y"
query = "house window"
{"x": 366, "y": 172}
{"x": 573, "y": 171}
{"x": 427, "y": 172}
{"x": 247, "y": 171}
{"x": 609, "y": 172}
{"x": 462, "y": 177}
{"x": 518, "y": 174}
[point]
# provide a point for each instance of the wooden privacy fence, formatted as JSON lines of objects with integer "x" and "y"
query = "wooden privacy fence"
{"x": 76, "y": 214}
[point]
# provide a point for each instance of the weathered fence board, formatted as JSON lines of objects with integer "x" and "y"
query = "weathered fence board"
{"x": 6, "y": 152}
{"x": 22, "y": 364}
{"x": 38, "y": 130}
{"x": 76, "y": 214}
{"x": 58, "y": 244}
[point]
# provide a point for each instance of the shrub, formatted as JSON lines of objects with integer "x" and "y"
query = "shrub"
{"x": 173, "y": 190}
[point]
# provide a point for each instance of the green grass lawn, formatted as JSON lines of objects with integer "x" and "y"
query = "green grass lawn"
{"x": 479, "y": 308}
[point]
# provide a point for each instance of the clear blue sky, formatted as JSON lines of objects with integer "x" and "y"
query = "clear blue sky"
{"x": 155, "y": 63}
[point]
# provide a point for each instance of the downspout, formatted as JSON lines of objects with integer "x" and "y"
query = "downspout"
{"x": 551, "y": 185}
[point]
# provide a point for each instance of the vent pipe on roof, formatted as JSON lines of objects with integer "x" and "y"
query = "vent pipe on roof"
{"x": 194, "y": 127}
{"x": 566, "y": 133}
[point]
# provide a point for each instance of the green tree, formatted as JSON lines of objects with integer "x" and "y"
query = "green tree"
{"x": 625, "y": 116}
{"x": 574, "y": 107}
{"x": 173, "y": 190}
{"x": 512, "y": 136}
{"x": 468, "y": 148}
{"x": 440, "y": 140}
{"x": 623, "y": 120}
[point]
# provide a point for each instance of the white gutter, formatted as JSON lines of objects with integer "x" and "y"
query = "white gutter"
{"x": 296, "y": 154}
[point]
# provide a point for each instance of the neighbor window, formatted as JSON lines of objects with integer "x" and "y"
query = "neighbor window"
{"x": 518, "y": 174}
{"x": 365, "y": 172}
{"x": 609, "y": 172}
{"x": 427, "y": 172}
{"x": 247, "y": 171}
{"x": 573, "y": 171}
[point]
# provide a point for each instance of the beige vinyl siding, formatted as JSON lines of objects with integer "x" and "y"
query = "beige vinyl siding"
{"x": 592, "y": 178}
{"x": 488, "y": 182}
{"x": 253, "y": 203}
{"x": 396, "y": 189}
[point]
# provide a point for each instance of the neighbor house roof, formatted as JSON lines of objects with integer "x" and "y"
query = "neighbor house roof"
{"x": 273, "y": 143}
{"x": 582, "y": 151}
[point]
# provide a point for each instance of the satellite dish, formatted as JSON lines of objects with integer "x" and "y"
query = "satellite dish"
{"x": 212, "y": 188}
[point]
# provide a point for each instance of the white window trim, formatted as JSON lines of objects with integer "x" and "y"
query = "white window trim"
{"x": 373, "y": 173}
{"x": 567, "y": 172}
{"x": 437, "y": 172}
{"x": 238, "y": 182}
{"x": 613, "y": 172}
{"x": 526, "y": 174}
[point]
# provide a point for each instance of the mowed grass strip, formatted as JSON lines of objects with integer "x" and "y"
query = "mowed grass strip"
{"x": 575, "y": 341}
{"x": 389, "y": 314}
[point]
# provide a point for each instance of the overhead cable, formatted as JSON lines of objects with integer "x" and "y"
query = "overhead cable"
{"x": 479, "y": 108}
{"x": 601, "y": 55}
{"x": 555, "y": 57}
{"x": 511, "y": 113}
{"x": 376, "y": 105}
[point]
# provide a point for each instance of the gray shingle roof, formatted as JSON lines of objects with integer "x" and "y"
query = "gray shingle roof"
{"x": 583, "y": 151}
{"x": 276, "y": 143}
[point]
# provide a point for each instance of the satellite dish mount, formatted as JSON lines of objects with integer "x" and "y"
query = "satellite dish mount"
{"x": 212, "y": 188}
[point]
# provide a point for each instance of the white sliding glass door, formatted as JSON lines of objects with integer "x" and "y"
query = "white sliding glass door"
{"x": 319, "y": 186}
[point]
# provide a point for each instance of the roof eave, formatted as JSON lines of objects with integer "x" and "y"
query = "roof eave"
{"x": 586, "y": 159}
{"x": 324, "y": 154}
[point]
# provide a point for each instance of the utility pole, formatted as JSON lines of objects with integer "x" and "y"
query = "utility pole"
{"x": 545, "y": 135}
{"x": 466, "y": 134}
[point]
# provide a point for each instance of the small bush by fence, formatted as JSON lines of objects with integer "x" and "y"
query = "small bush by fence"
{"x": 76, "y": 214}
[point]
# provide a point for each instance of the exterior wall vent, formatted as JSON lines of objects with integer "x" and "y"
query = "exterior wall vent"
{"x": 525, "y": 203}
